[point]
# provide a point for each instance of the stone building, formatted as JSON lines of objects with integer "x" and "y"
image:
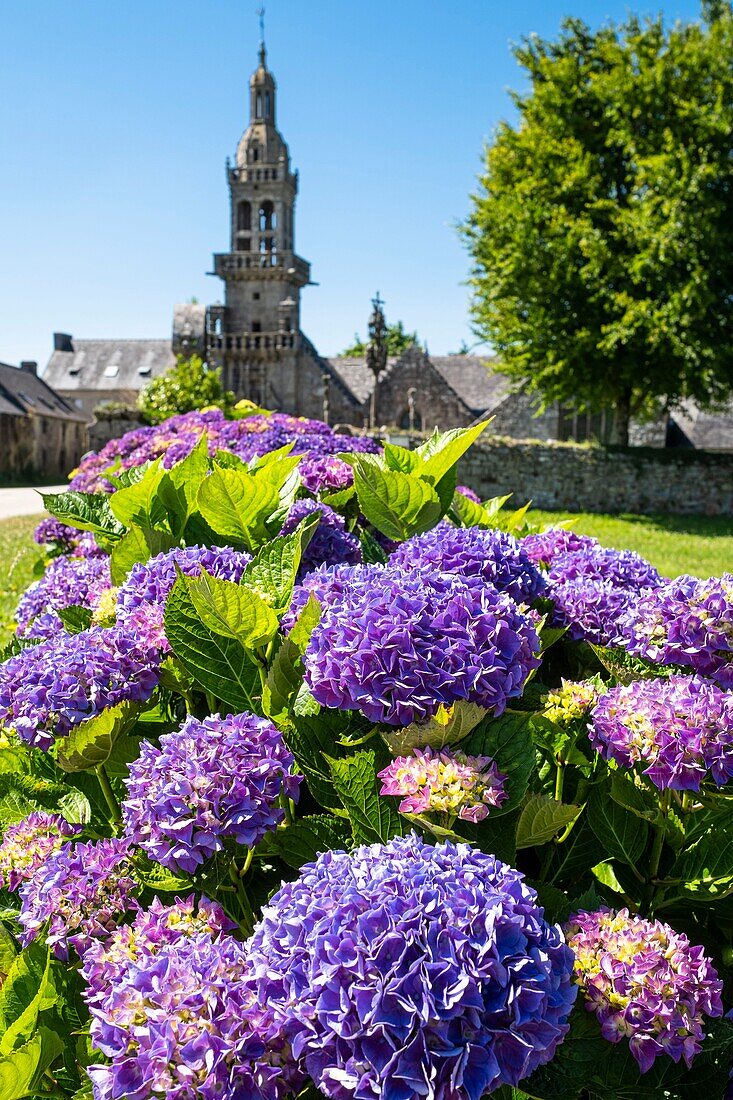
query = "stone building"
{"x": 39, "y": 432}
{"x": 255, "y": 335}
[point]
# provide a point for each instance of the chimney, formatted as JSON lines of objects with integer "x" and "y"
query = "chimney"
{"x": 30, "y": 366}
{"x": 62, "y": 342}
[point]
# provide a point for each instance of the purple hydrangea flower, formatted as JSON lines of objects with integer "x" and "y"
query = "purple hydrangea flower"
{"x": 543, "y": 547}
{"x": 678, "y": 729}
{"x": 150, "y": 582}
{"x": 397, "y": 645}
{"x": 49, "y": 688}
{"x": 67, "y": 581}
{"x": 247, "y": 438}
{"x": 28, "y": 844}
{"x": 331, "y": 543}
{"x": 465, "y": 491}
{"x": 593, "y": 588}
{"x": 623, "y": 568}
{"x": 51, "y": 531}
{"x": 644, "y": 982}
{"x": 491, "y": 555}
{"x": 325, "y": 474}
{"x": 208, "y": 781}
{"x": 77, "y": 895}
{"x": 685, "y": 622}
{"x": 182, "y": 1023}
{"x": 105, "y": 961}
{"x": 403, "y": 970}
{"x": 447, "y": 782}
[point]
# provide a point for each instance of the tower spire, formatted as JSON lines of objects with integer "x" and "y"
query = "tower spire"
{"x": 263, "y": 52}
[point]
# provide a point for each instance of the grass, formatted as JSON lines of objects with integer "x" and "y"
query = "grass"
{"x": 700, "y": 545}
{"x": 18, "y": 552}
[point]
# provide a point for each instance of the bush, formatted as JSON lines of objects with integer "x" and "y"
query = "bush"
{"x": 188, "y": 386}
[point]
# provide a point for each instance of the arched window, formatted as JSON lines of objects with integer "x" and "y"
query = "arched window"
{"x": 255, "y": 152}
{"x": 244, "y": 217}
{"x": 267, "y": 216}
{"x": 258, "y": 109}
{"x": 404, "y": 420}
{"x": 267, "y": 104}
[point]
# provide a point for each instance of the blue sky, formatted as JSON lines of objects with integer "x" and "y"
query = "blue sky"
{"x": 116, "y": 119}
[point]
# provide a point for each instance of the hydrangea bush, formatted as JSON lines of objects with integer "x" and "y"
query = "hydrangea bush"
{"x": 321, "y": 777}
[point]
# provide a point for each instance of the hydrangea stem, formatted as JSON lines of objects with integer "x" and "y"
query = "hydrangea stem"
{"x": 654, "y": 861}
{"x": 109, "y": 795}
{"x": 247, "y": 921}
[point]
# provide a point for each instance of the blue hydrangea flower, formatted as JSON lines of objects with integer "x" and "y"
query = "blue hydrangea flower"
{"x": 491, "y": 555}
{"x": 77, "y": 895}
{"x": 208, "y": 781}
{"x": 678, "y": 729}
{"x": 397, "y": 645}
{"x": 49, "y": 688}
{"x": 403, "y": 970}
{"x": 331, "y": 543}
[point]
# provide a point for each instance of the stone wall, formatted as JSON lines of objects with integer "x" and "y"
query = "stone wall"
{"x": 45, "y": 446}
{"x": 577, "y": 478}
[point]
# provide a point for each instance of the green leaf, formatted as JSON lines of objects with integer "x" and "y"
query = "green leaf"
{"x": 508, "y": 741}
{"x": 400, "y": 458}
{"x": 306, "y": 838}
{"x": 75, "y": 807}
{"x": 20, "y": 1069}
{"x": 311, "y": 737}
{"x": 399, "y": 505}
{"x": 622, "y": 835}
{"x": 140, "y": 505}
{"x": 138, "y": 545}
{"x": 306, "y": 623}
{"x": 283, "y": 679}
{"x": 28, "y": 989}
{"x": 232, "y": 610}
{"x": 705, "y": 869}
{"x": 86, "y": 511}
{"x": 236, "y": 503}
{"x": 159, "y": 878}
{"x": 91, "y": 742}
{"x": 179, "y": 487}
{"x": 577, "y": 854}
{"x": 442, "y": 450}
{"x": 636, "y": 799}
{"x": 623, "y": 667}
{"x": 218, "y": 663}
{"x": 75, "y": 618}
{"x": 373, "y": 817}
{"x": 8, "y": 951}
{"x": 542, "y": 818}
{"x": 449, "y": 726}
{"x": 273, "y": 570}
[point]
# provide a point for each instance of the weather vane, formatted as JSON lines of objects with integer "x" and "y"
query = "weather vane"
{"x": 261, "y": 14}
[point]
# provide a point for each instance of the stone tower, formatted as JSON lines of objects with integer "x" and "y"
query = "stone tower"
{"x": 255, "y": 336}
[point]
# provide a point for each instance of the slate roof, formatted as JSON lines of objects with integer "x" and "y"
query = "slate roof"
{"x": 706, "y": 431}
{"x": 108, "y": 364}
{"x": 472, "y": 378}
{"x": 22, "y": 392}
{"x": 469, "y": 376}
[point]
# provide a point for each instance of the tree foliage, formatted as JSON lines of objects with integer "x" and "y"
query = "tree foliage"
{"x": 188, "y": 386}
{"x": 397, "y": 341}
{"x": 601, "y": 233}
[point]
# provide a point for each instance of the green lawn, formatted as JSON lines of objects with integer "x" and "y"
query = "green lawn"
{"x": 674, "y": 544}
{"x": 18, "y": 552}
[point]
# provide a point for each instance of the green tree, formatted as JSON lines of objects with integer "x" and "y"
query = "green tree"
{"x": 188, "y": 386}
{"x": 601, "y": 235}
{"x": 397, "y": 341}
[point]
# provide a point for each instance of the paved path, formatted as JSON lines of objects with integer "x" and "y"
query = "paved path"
{"x": 24, "y": 502}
